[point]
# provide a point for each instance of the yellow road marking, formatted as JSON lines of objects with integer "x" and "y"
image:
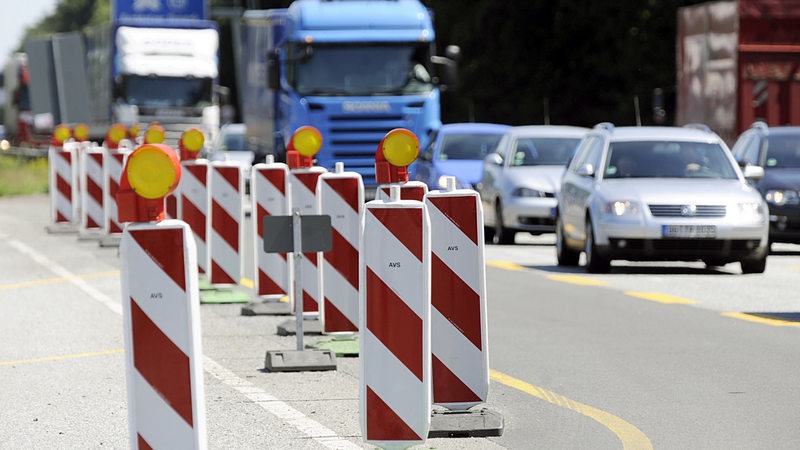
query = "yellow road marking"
{"x": 661, "y": 298}
{"x": 577, "y": 279}
{"x": 247, "y": 282}
{"x": 56, "y": 358}
{"x": 761, "y": 319}
{"x": 631, "y": 437}
{"x": 504, "y": 265}
{"x": 46, "y": 281}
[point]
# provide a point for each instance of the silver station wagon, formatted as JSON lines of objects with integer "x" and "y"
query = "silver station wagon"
{"x": 659, "y": 194}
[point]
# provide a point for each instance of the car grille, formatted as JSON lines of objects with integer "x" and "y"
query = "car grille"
{"x": 687, "y": 210}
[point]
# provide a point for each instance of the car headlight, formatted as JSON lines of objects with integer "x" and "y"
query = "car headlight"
{"x": 782, "y": 197}
{"x": 750, "y": 209}
{"x": 622, "y": 208}
{"x": 528, "y": 192}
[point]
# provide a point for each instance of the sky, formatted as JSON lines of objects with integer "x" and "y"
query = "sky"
{"x": 17, "y": 15}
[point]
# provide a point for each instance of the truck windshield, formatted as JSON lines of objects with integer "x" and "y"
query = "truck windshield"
{"x": 360, "y": 70}
{"x": 161, "y": 92}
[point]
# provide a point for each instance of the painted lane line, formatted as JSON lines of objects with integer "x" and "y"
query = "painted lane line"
{"x": 661, "y": 298}
{"x": 630, "y": 436}
{"x": 760, "y": 319}
{"x": 24, "y": 284}
{"x": 504, "y": 265}
{"x": 269, "y": 403}
{"x": 58, "y": 358}
{"x": 577, "y": 279}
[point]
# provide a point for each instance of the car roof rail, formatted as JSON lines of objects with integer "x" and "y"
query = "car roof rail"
{"x": 760, "y": 124}
{"x": 699, "y": 126}
{"x": 608, "y": 126}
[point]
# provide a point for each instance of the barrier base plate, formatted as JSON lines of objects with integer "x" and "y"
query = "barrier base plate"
{"x": 224, "y": 296}
{"x": 90, "y": 235}
{"x": 481, "y": 422}
{"x": 204, "y": 284}
{"x": 289, "y": 327}
{"x": 299, "y": 361}
{"x": 272, "y": 306}
{"x": 62, "y": 228}
{"x": 340, "y": 346}
{"x": 111, "y": 241}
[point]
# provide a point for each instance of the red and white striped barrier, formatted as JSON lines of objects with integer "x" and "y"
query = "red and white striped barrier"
{"x": 166, "y": 402}
{"x": 458, "y": 299}
{"x": 227, "y": 223}
{"x": 270, "y": 196}
{"x": 409, "y": 190}
{"x": 395, "y": 383}
{"x": 64, "y": 198}
{"x": 113, "y": 162}
{"x": 91, "y": 186}
{"x": 194, "y": 206}
{"x": 340, "y": 195}
{"x": 303, "y": 182}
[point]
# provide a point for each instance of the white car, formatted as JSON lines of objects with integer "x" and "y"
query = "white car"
{"x": 658, "y": 194}
{"x": 521, "y": 177}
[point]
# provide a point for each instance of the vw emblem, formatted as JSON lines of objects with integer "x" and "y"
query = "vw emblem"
{"x": 688, "y": 210}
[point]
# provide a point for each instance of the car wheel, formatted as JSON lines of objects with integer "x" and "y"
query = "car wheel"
{"x": 595, "y": 263}
{"x": 757, "y": 265}
{"x": 488, "y": 234}
{"x": 502, "y": 235}
{"x": 565, "y": 255}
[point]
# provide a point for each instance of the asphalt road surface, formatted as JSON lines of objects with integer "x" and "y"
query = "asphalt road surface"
{"x": 665, "y": 356}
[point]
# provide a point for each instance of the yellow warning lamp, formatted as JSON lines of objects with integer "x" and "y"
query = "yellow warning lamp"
{"x": 133, "y": 131}
{"x": 398, "y": 149}
{"x": 81, "y": 132}
{"x": 192, "y": 141}
{"x": 151, "y": 172}
{"x": 304, "y": 144}
{"x": 155, "y": 134}
{"x": 116, "y": 133}
{"x": 60, "y": 135}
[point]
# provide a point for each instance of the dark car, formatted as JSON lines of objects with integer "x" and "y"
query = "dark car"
{"x": 777, "y": 151}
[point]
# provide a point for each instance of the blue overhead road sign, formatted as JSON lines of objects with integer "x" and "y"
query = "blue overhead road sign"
{"x": 122, "y": 10}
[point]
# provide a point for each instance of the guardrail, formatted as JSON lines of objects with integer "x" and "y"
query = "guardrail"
{"x": 26, "y": 152}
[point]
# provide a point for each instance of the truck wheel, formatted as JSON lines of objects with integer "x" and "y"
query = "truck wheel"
{"x": 595, "y": 263}
{"x": 565, "y": 255}
{"x": 502, "y": 235}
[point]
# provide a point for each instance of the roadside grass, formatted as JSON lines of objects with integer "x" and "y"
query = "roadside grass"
{"x": 23, "y": 176}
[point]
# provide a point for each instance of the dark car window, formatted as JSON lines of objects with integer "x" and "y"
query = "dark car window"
{"x": 542, "y": 151}
{"x": 654, "y": 159}
{"x": 782, "y": 152}
{"x": 468, "y": 146}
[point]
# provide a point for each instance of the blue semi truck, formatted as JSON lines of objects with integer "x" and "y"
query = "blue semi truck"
{"x": 353, "y": 69}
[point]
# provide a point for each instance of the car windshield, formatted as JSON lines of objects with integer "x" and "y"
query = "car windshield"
{"x": 534, "y": 151}
{"x": 783, "y": 152}
{"x": 467, "y": 146}
{"x": 232, "y": 142}
{"x": 660, "y": 159}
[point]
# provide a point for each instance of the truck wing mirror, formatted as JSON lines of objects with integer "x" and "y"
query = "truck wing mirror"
{"x": 448, "y": 65}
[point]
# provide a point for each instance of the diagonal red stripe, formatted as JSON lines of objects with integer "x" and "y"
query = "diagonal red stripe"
{"x": 261, "y": 212}
{"x": 347, "y": 188}
{"x": 64, "y": 187}
{"x": 225, "y": 225}
{"x": 94, "y": 190}
{"x": 199, "y": 171}
{"x": 335, "y": 320}
{"x": 408, "y": 192}
{"x": 309, "y": 304}
{"x": 344, "y": 258}
{"x": 448, "y": 388}
{"x": 91, "y": 223}
{"x": 312, "y": 258}
{"x": 267, "y": 286}
{"x": 231, "y": 175}
{"x": 192, "y": 215}
{"x": 165, "y": 247}
{"x": 219, "y": 276}
{"x": 462, "y": 211}
{"x": 143, "y": 445}
{"x": 455, "y": 300}
{"x": 276, "y": 178}
{"x": 405, "y": 224}
{"x": 396, "y": 325}
{"x": 308, "y": 179}
{"x": 383, "y": 424}
{"x": 161, "y": 363}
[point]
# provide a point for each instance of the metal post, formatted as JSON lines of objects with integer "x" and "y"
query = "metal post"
{"x": 298, "y": 275}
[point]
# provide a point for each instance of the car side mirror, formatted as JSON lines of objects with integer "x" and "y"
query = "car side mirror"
{"x": 426, "y": 156}
{"x": 585, "y": 170}
{"x": 753, "y": 172}
{"x": 494, "y": 159}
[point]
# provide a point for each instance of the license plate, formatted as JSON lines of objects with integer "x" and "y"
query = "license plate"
{"x": 689, "y": 231}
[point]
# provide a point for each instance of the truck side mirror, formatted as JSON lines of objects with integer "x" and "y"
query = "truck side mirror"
{"x": 448, "y": 65}
{"x": 273, "y": 71}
